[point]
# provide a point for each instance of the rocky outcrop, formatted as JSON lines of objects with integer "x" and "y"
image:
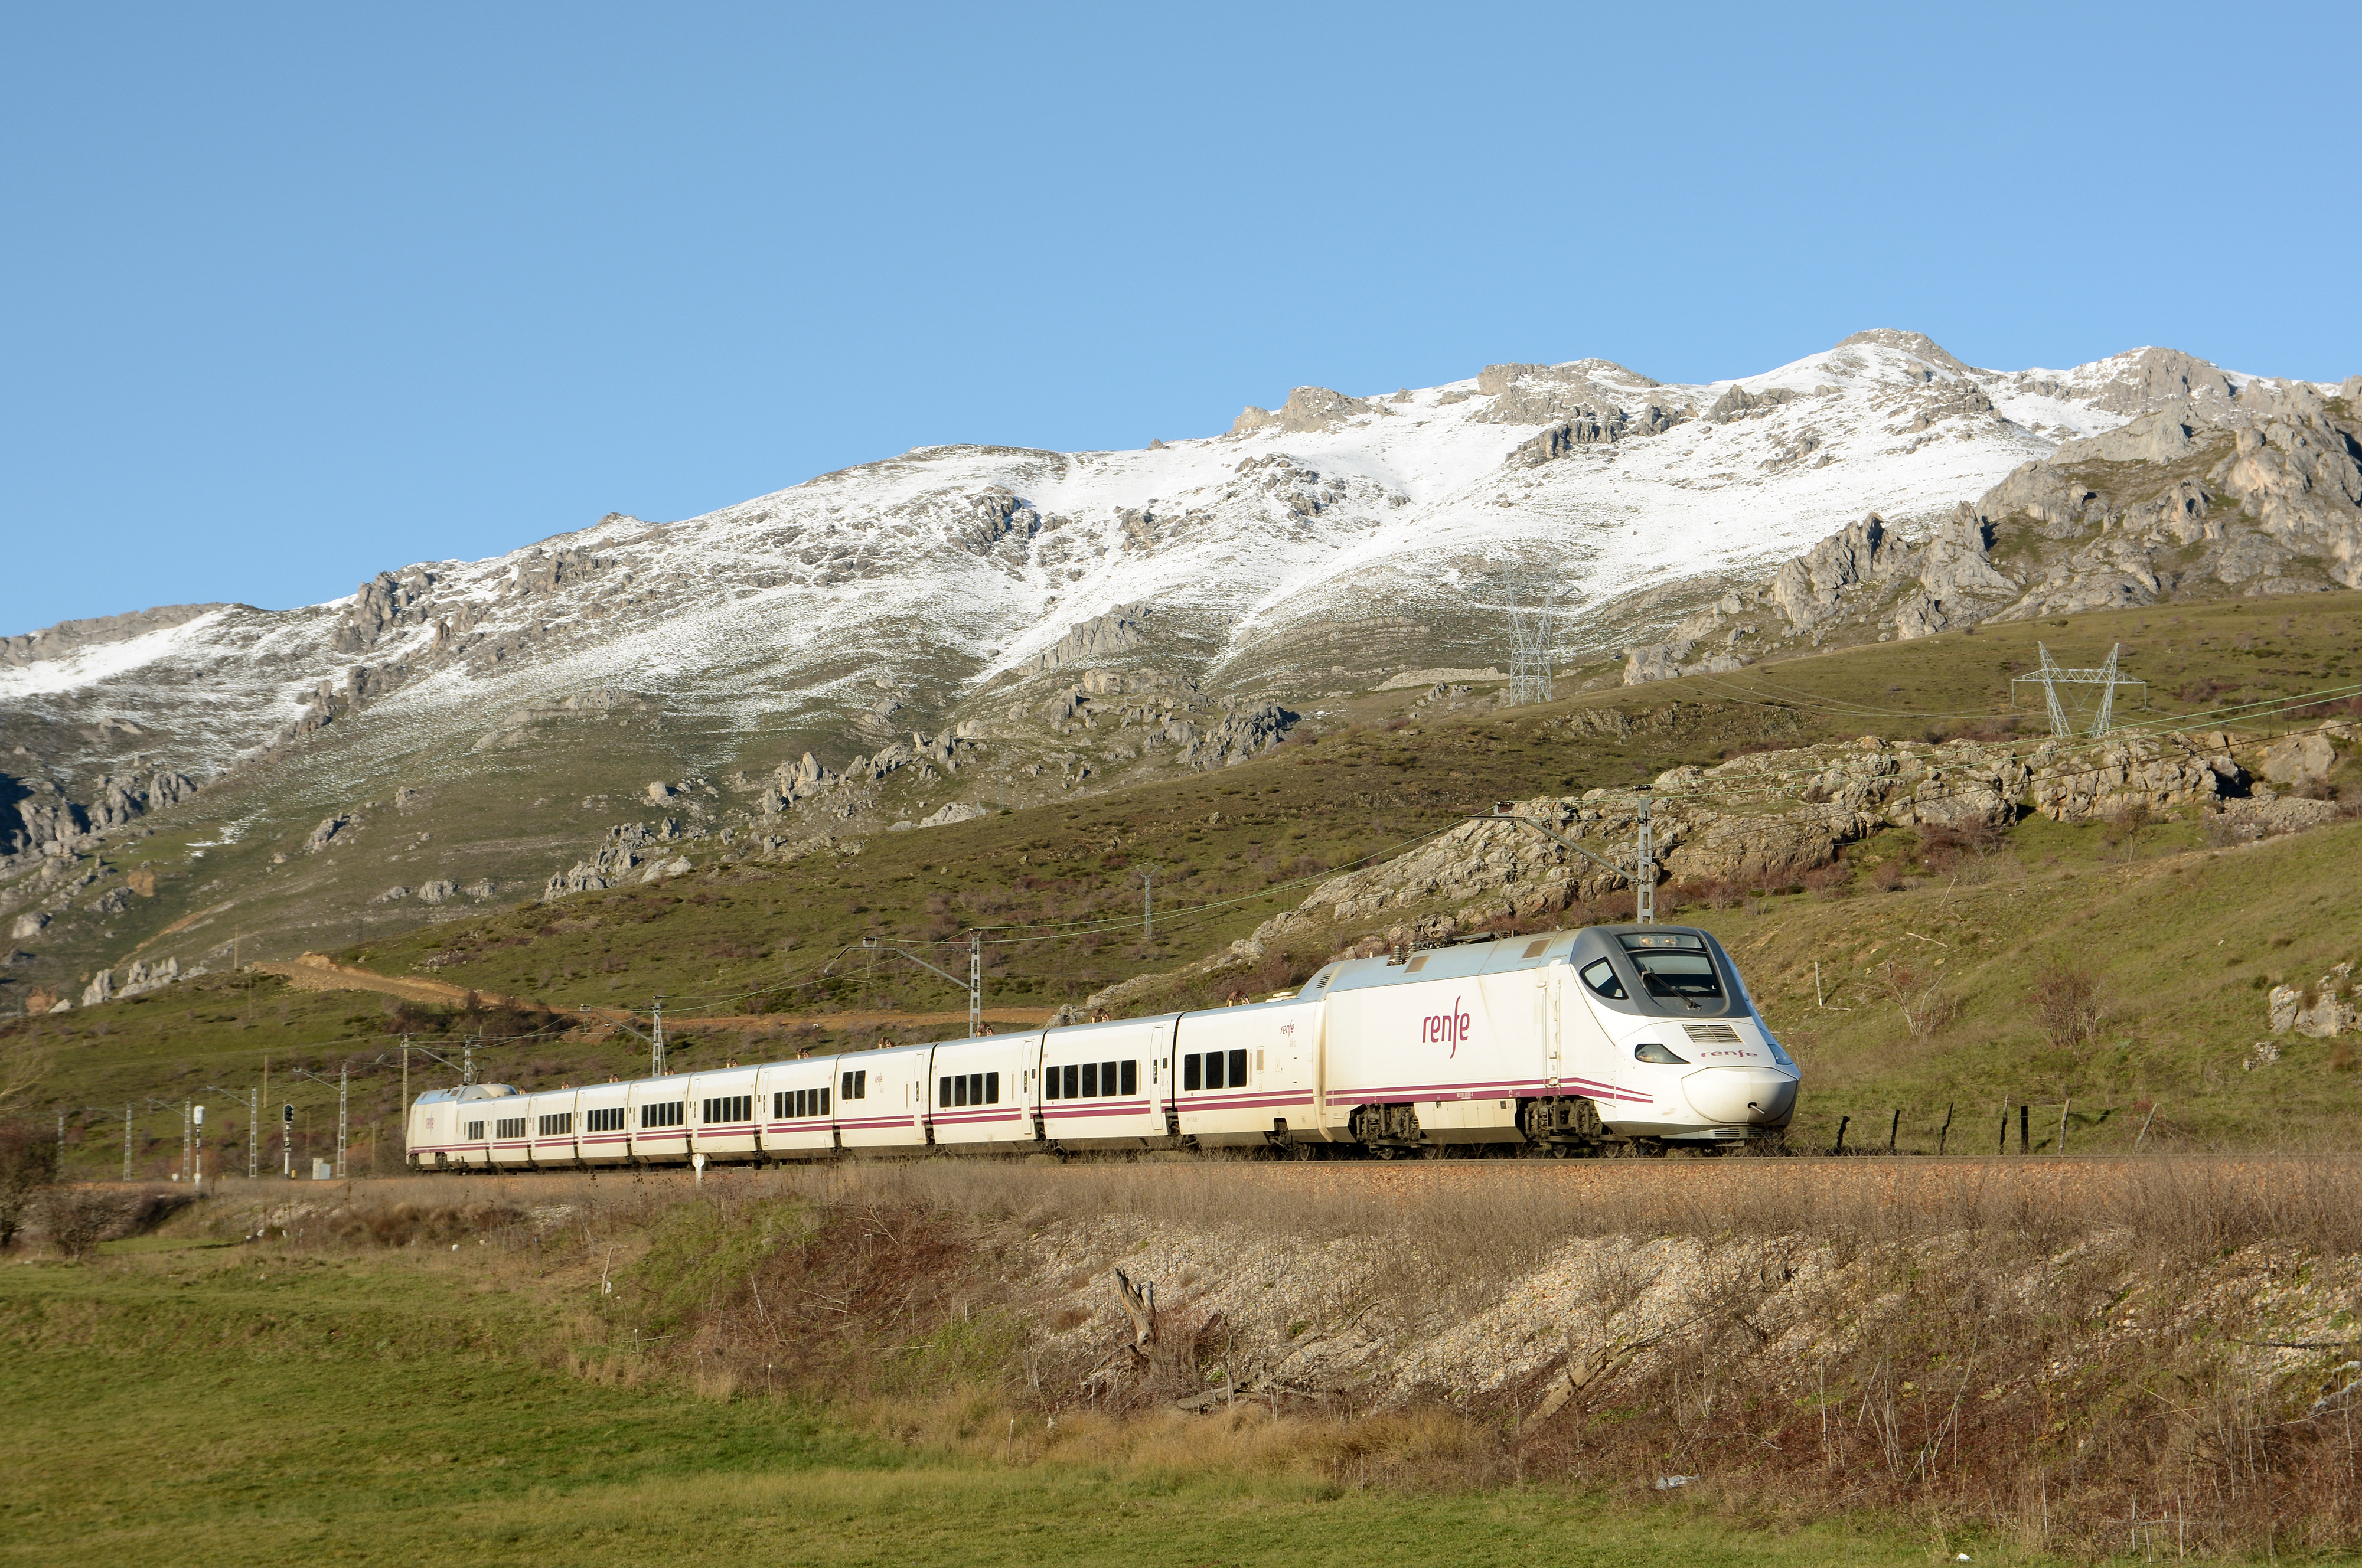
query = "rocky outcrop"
{"x": 2321, "y": 1011}
{"x": 2080, "y": 781}
{"x": 1814, "y": 587}
{"x": 69, "y": 637}
{"x": 1766, "y": 820}
{"x": 338, "y": 829}
{"x": 625, "y": 851}
{"x": 1229, "y": 740}
{"x": 1583, "y": 404}
{"x": 36, "y": 818}
{"x": 438, "y": 891}
{"x": 2299, "y": 759}
{"x": 999, "y": 517}
{"x": 1307, "y": 410}
{"x": 2147, "y": 377}
{"x": 1737, "y": 403}
{"x": 1589, "y": 427}
{"x": 1120, "y": 630}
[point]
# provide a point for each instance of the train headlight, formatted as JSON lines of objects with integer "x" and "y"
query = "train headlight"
{"x": 1651, "y": 1052}
{"x": 1778, "y": 1054}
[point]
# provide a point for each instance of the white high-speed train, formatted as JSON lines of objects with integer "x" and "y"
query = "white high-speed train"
{"x": 1621, "y": 1037}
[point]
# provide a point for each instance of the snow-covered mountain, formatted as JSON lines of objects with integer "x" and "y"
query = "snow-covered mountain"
{"x": 895, "y": 591}
{"x": 959, "y": 628}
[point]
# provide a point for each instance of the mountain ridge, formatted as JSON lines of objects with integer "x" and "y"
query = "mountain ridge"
{"x": 962, "y": 627}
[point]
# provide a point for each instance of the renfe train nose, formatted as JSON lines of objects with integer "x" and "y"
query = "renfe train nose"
{"x": 1757, "y": 1097}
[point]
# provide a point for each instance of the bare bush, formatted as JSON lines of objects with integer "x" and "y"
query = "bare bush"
{"x": 1917, "y": 992}
{"x": 2067, "y": 1003}
{"x": 76, "y": 1219}
{"x": 1833, "y": 880}
{"x": 29, "y": 1164}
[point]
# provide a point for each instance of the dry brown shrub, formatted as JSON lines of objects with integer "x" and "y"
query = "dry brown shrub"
{"x": 2067, "y": 1003}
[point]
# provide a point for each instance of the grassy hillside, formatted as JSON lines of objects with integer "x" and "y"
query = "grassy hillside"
{"x": 1058, "y": 890}
{"x": 324, "y": 1401}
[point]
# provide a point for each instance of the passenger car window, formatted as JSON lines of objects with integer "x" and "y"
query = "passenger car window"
{"x": 1600, "y": 975}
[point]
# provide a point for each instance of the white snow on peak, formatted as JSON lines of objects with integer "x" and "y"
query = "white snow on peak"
{"x": 937, "y": 569}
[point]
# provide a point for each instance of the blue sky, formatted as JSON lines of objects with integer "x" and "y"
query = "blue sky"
{"x": 293, "y": 295}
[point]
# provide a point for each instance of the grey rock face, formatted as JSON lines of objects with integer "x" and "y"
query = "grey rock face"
{"x": 2153, "y": 376}
{"x": 2081, "y": 782}
{"x": 1122, "y": 629}
{"x": 392, "y": 895}
{"x": 2299, "y": 759}
{"x": 2164, "y": 435}
{"x": 36, "y": 817}
{"x": 1652, "y": 661}
{"x": 1739, "y": 403}
{"x": 1812, "y": 588}
{"x": 1308, "y": 409}
{"x": 29, "y": 923}
{"x": 143, "y": 977}
{"x": 100, "y": 990}
{"x": 72, "y": 636}
{"x": 438, "y": 891}
{"x": 1589, "y": 427}
{"x": 338, "y": 829}
{"x": 1588, "y": 390}
{"x": 2328, "y": 1008}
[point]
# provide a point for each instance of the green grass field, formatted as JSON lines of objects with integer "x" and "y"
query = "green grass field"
{"x": 210, "y": 1402}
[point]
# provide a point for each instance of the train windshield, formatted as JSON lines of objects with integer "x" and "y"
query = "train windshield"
{"x": 1678, "y": 976}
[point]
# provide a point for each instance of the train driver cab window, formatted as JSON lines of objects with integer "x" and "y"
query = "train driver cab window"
{"x": 1600, "y": 975}
{"x": 1677, "y": 975}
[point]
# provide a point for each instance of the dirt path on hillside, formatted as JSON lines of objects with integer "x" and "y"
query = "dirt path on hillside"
{"x": 317, "y": 972}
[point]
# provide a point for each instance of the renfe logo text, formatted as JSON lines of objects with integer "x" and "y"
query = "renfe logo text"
{"x": 1440, "y": 1028}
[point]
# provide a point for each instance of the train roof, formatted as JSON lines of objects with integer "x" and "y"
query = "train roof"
{"x": 468, "y": 1091}
{"x": 1465, "y": 959}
